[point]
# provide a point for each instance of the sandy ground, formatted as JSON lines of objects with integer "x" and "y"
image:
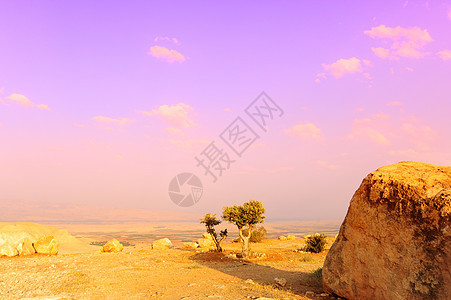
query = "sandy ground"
{"x": 142, "y": 273}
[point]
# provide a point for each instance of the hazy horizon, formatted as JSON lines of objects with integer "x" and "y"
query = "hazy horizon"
{"x": 102, "y": 103}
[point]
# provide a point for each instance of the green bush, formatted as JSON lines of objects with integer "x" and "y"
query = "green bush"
{"x": 315, "y": 243}
{"x": 257, "y": 235}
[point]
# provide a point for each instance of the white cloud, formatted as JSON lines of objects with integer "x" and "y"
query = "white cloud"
{"x": 165, "y": 38}
{"x": 406, "y": 42}
{"x": 366, "y": 129}
{"x": 112, "y": 121}
{"x": 381, "y": 52}
{"x": 395, "y": 103}
{"x": 344, "y": 66}
{"x": 306, "y": 131}
{"x": 25, "y": 102}
{"x": 445, "y": 55}
{"x": 178, "y": 115}
{"x": 166, "y": 54}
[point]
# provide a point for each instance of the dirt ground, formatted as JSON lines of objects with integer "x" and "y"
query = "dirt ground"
{"x": 138, "y": 272}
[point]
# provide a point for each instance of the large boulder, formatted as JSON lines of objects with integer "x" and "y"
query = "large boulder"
{"x": 395, "y": 242}
{"x": 162, "y": 244}
{"x": 46, "y": 245}
{"x": 113, "y": 246}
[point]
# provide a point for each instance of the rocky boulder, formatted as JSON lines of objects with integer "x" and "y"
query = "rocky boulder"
{"x": 46, "y": 245}
{"x": 395, "y": 242}
{"x": 113, "y": 246}
{"x": 206, "y": 243}
{"x": 207, "y": 235}
{"x": 190, "y": 245}
{"x": 26, "y": 247}
{"x": 162, "y": 244}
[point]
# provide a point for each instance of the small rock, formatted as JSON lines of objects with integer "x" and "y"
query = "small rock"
{"x": 206, "y": 235}
{"x": 206, "y": 243}
{"x": 309, "y": 294}
{"x": 113, "y": 246}
{"x": 219, "y": 286}
{"x": 324, "y": 294}
{"x": 26, "y": 247}
{"x": 282, "y": 238}
{"x": 162, "y": 244}
{"x": 291, "y": 237}
{"x": 191, "y": 245}
{"x": 280, "y": 281}
{"x": 250, "y": 281}
{"x": 46, "y": 245}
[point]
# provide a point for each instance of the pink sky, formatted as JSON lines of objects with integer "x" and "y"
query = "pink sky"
{"x": 102, "y": 103}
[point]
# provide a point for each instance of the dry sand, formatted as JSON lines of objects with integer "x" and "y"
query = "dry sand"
{"x": 141, "y": 273}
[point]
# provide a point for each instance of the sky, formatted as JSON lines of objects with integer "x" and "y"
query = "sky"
{"x": 103, "y": 103}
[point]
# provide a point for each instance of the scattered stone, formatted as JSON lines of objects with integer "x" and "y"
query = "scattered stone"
{"x": 26, "y": 247}
{"x": 206, "y": 243}
{"x": 206, "y": 235}
{"x": 162, "y": 244}
{"x": 250, "y": 281}
{"x": 219, "y": 286}
{"x": 309, "y": 294}
{"x": 394, "y": 241}
{"x": 282, "y": 238}
{"x": 46, "y": 245}
{"x": 8, "y": 249}
{"x": 190, "y": 245}
{"x": 113, "y": 246}
{"x": 291, "y": 237}
{"x": 324, "y": 294}
{"x": 280, "y": 281}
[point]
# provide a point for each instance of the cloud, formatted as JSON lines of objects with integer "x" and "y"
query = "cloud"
{"x": 25, "y": 102}
{"x": 320, "y": 76}
{"x": 165, "y": 38}
{"x": 166, "y": 54}
{"x": 381, "y": 52}
{"x": 406, "y": 42}
{"x": 306, "y": 131}
{"x": 445, "y": 55}
{"x": 344, "y": 66}
{"x": 395, "y": 103}
{"x": 112, "y": 121}
{"x": 178, "y": 115}
{"x": 365, "y": 129}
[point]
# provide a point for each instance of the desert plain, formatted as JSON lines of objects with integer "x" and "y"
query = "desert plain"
{"x": 82, "y": 271}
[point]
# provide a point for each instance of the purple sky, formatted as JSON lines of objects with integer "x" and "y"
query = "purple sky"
{"x": 103, "y": 102}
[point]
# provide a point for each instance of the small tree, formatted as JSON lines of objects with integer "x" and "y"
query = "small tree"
{"x": 245, "y": 216}
{"x": 210, "y": 222}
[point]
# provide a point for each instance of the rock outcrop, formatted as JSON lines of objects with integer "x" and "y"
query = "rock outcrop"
{"x": 26, "y": 247}
{"x": 190, "y": 245}
{"x": 395, "y": 242}
{"x": 162, "y": 244}
{"x": 113, "y": 246}
{"x": 206, "y": 243}
{"x": 46, "y": 245}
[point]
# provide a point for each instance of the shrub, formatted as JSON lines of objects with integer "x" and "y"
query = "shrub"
{"x": 318, "y": 273}
{"x": 257, "y": 235}
{"x": 315, "y": 243}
